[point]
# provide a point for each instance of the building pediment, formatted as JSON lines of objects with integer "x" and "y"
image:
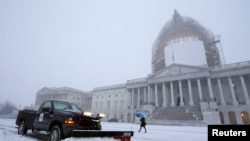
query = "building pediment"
{"x": 45, "y": 90}
{"x": 175, "y": 69}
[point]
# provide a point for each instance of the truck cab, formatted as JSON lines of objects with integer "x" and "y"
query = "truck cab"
{"x": 58, "y": 118}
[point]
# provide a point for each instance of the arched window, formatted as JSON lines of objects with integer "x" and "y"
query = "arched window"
{"x": 245, "y": 117}
{"x": 232, "y": 117}
{"x": 221, "y": 118}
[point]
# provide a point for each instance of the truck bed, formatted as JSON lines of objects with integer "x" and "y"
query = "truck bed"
{"x": 29, "y": 116}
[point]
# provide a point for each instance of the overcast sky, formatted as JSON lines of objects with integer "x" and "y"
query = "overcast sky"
{"x": 86, "y": 44}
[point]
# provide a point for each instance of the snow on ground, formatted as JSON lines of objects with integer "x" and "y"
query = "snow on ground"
{"x": 8, "y": 132}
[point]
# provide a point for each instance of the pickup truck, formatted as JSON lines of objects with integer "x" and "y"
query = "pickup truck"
{"x": 61, "y": 119}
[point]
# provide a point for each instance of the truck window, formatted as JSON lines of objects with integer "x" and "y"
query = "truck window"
{"x": 58, "y": 105}
{"x": 46, "y": 104}
{"x": 65, "y": 106}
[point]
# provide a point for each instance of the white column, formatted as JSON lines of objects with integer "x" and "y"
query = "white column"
{"x": 144, "y": 95}
{"x": 235, "y": 102}
{"x": 191, "y": 101}
{"x": 244, "y": 90}
{"x": 132, "y": 99}
{"x": 149, "y": 99}
{"x": 172, "y": 94}
{"x": 164, "y": 104}
{"x": 181, "y": 96}
{"x": 129, "y": 103}
{"x": 211, "y": 95}
{"x": 152, "y": 95}
{"x": 221, "y": 93}
{"x": 138, "y": 100}
{"x": 156, "y": 96}
{"x": 199, "y": 89}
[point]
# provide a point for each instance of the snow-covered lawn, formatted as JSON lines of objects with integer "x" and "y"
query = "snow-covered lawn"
{"x": 8, "y": 132}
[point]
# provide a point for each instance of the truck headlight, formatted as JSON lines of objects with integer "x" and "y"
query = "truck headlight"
{"x": 87, "y": 114}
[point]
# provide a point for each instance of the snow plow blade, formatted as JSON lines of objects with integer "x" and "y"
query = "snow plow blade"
{"x": 122, "y": 135}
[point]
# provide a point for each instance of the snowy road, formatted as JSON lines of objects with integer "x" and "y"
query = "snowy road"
{"x": 8, "y": 132}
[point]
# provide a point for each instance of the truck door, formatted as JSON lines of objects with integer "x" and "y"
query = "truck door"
{"x": 43, "y": 116}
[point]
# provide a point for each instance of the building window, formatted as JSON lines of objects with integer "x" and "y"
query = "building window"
{"x": 108, "y": 104}
{"x": 96, "y": 105}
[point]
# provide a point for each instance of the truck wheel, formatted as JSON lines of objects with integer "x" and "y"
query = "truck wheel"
{"x": 55, "y": 134}
{"x": 22, "y": 130}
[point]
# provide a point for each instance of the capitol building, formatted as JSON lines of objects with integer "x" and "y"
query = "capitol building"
{"x": 190, "y": 81}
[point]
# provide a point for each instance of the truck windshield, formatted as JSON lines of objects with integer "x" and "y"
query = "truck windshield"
{"x": 66, "y": 106}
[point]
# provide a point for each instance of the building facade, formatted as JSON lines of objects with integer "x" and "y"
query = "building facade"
{"x": 81, "y": 98}
{"x": 190, "y": 81}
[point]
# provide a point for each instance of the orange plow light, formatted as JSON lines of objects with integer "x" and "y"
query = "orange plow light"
{"x": 69, "y": 121}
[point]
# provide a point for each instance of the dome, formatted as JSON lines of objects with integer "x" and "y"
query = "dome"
{"x": 180, "y": 29}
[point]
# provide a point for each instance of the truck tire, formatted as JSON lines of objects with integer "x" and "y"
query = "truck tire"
{"x": 55, "y": 134}
{"x": 22, "y": 130}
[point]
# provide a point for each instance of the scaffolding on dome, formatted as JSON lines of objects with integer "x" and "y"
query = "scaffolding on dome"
{"x": 181, "y": 28}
